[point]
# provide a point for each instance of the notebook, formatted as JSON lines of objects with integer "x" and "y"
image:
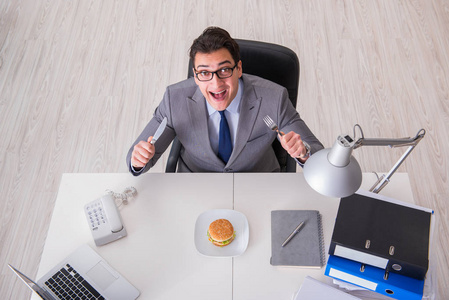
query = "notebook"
{"x": 83, "y": 273}
{"x": 312, "y": 289}
{"x": 306, "y": 248}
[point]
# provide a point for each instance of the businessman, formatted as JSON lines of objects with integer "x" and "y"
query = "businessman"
{"x": 218, "y": 116}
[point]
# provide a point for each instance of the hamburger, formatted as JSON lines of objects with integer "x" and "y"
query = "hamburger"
{"x": 221, "y": 232}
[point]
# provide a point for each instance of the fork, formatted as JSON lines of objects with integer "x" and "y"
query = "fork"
{"x": 273, "y": 126}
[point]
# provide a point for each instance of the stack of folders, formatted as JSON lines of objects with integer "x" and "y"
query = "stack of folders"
{"x": 381, "y": 244}
{"x": 312, "y": 289}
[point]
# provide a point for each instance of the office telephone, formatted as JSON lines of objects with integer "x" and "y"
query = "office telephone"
{"x": 104, "y": 220}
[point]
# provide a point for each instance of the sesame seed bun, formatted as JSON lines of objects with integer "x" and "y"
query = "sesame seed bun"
{"x": 221, "y": 232}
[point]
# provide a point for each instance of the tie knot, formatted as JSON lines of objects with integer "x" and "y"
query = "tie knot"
{"x": 222, "y": 113}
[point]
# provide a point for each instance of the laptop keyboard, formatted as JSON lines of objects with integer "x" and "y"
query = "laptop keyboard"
{"x": 68, "y": 284}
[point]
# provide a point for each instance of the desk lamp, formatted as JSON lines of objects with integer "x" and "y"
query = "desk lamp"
{"x": 334, "y": 172}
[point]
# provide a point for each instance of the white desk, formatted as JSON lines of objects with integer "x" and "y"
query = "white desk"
{"x": 256, "y": 195}
{"x": 159, "y": 257}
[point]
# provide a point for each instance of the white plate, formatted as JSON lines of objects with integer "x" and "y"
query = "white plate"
{"x": 241, "y": 228}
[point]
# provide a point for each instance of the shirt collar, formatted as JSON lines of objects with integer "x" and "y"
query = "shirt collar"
{"x": 234, "y": 107}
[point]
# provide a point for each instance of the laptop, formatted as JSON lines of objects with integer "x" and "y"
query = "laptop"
{"x": 82, "y": 275}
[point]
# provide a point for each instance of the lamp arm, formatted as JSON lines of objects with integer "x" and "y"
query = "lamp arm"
{"x": 411, "y": 142}
{"x": 385, "y": 179}
{"x": 391, "y": 142}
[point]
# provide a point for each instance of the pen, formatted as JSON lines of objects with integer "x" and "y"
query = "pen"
{"x": 297, "y": 229}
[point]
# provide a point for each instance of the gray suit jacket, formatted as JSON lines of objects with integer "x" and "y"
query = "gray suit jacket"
{"x": 185, "y": 108}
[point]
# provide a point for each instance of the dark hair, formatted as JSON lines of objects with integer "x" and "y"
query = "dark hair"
{"x": 213, "y": 39}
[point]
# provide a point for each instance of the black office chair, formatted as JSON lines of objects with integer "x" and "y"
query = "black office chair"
{"x": 270, "y": 61}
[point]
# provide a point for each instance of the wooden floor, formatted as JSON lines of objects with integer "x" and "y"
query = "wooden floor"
{"x": 79, "y": 80}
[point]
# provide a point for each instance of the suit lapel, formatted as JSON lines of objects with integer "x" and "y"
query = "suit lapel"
{"x": 249, "y": 109}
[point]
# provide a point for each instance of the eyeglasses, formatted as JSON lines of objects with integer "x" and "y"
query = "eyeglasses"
{"x": 222, "y": 74}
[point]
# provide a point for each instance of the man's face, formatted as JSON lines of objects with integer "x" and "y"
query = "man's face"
{"x": 219, "y": 93}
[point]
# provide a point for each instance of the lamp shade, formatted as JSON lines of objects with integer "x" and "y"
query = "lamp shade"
{"x": 333, "y": 172}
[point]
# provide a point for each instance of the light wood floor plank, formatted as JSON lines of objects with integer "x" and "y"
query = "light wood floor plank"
{"x": 79, "y": 80}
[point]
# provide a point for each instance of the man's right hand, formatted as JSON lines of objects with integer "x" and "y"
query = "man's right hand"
{"x": 142, "y": 153}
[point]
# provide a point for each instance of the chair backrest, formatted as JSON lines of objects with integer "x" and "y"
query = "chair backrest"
{"x": 270, "y": 61}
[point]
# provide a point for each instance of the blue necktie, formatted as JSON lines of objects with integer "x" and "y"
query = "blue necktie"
{"x": 224, "y": 141}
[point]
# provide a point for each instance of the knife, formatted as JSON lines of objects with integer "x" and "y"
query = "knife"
{"x": 159, "y": 131}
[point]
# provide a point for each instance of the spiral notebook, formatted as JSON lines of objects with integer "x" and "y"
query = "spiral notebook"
{"x": 306, "y": 248}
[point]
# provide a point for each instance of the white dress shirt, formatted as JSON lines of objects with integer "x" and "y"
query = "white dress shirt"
{"x": 232, "y": 114}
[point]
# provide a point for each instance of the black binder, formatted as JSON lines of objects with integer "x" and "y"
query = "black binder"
{"x": 383, "y": 234}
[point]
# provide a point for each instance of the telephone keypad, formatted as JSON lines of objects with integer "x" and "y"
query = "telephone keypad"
{"x": 96, "y": 214}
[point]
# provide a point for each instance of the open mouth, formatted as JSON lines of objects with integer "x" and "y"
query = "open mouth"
{"x": 219, "y": 95}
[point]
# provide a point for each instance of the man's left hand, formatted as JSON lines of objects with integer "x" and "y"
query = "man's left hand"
{"x": 294, "y": 145}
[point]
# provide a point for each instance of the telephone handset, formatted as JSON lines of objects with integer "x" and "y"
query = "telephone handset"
{"x": 104, "y": 220}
